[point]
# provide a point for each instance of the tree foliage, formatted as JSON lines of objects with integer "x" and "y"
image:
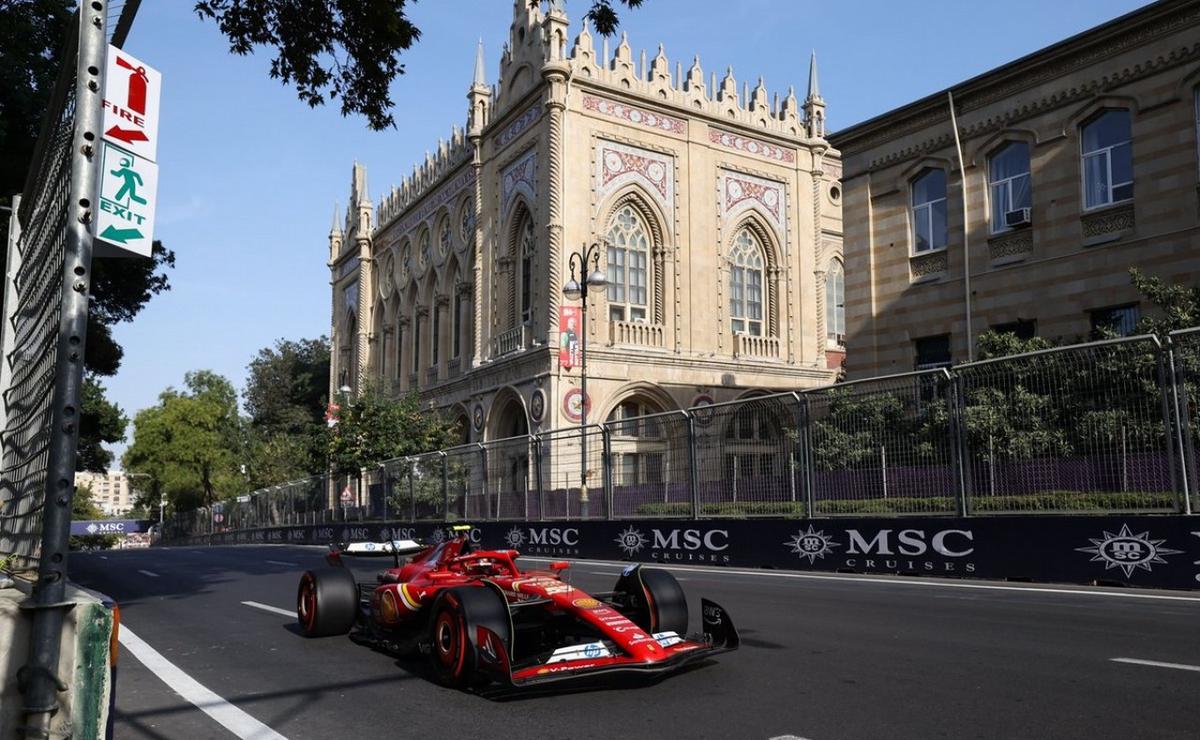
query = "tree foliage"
{"x": 347, "y": 49}
{"x": 190, "y": 444}
{"x": 373, "y": 427}
{"x": 100, "y": 422}
{"x": 285, "y": 394}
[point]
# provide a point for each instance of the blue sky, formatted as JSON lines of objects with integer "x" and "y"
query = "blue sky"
{"x": 249, "y": 175}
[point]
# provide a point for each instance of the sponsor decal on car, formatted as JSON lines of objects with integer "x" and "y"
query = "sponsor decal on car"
{"x": 587, "y": 603}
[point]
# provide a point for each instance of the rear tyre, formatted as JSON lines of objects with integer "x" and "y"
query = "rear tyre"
{"x": 326, "y": 602}
{"x": 653, "y": 600}
{"x": 453, "y": 634}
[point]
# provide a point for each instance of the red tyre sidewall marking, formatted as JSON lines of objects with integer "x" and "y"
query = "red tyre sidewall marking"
{"x": 308, "y": 602}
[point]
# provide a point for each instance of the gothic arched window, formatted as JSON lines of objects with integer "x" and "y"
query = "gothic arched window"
{"x": 628, "y": 257}
{"x": 526, "y": 245}
{"x": 746, "y": 292}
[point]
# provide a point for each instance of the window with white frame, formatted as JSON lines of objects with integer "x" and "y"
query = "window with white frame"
{"x": 835, "y": 304}
{"x": 929, "y": 211}
{"x": 1008, "y": 183}
{"x": 746, "y": 284}
{"x": 527, "y": 246}
{"x": 1107, "y": 159}
{"x": 627, "y": 258}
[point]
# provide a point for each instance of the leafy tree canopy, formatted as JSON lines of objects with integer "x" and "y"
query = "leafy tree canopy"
{"x": 373, "y": 428}
{"x": 347, "y": 49}
{"x": 285, "y": 394}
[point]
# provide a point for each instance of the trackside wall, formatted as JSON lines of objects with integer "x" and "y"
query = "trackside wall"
{"x": 84, "y": 663}
{"x": 1141, "y": 551}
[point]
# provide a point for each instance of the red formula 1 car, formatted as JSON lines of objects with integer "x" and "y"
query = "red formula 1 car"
{"x": 480, "y": 617}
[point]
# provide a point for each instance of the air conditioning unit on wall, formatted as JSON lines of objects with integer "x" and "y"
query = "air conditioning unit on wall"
{"x": 1019, "y": 217}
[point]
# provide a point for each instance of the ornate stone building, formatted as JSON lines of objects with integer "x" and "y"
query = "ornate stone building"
{"x": 719, "y": 213}
{"x": 1080, "y": 163}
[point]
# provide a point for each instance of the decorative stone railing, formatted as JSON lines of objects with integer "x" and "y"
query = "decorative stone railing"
{"x": 749, "y": 345}
{"x": 509, "y": 341}
{"x": 637, "y": 333}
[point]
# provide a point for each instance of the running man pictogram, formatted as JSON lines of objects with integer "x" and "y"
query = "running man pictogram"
{"x": 132, "y": 182}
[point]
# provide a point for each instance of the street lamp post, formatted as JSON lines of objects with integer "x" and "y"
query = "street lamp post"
{"x": 579, "y": 289}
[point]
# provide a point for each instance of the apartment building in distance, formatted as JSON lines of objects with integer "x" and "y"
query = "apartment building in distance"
{"x": 1081, "y": 162}
{"x": 110, "y": 491}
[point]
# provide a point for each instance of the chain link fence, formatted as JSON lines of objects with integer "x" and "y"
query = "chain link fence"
{"x": 1104, "y": 427}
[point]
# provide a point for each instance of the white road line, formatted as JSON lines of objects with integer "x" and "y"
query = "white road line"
{"x": 280, "y": 562}
{"x": 230, "y": 717}
{"x": 898, "y": 581}
{"x": 150, "y": 573}
{"x": 1157, "y": 664}
{"x": 269, "y": 608}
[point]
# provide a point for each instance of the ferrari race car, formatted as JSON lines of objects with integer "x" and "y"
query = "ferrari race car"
{"x": 479, "y": 617}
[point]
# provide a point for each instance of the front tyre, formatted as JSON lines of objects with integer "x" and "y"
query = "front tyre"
{"x": 454, "y": 620}
{"x": 326, "y": 602}
{"x": 653, "y": 600}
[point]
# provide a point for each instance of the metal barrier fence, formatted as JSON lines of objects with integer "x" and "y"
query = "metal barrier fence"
{"x": 1107, "y": 426}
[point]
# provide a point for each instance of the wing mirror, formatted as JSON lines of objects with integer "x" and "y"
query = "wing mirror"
{"x": 558, "y": 565}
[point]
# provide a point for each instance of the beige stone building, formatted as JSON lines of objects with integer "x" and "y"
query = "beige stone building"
{"x": 110, "y": 491}
{"x": 1080, "y": 163}
{"x": 718, "y": 211}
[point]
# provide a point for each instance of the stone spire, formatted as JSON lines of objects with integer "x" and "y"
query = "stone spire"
{"x": 336, "y": 230}
{"x": 479, "y": 97}
{"x": 814, "y": 104}
{"x": 814, "y": 90}
{"x": 480, "y": 79}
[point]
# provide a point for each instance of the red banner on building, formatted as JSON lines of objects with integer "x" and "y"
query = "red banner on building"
{"x": 568, "y": 336}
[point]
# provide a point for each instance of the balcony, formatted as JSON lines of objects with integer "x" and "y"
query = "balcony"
{"x": 510, "y": 341}
{"x": 636, "y": 333}
{"x": 431, "y": 375}
{"x": 760, "y": 348}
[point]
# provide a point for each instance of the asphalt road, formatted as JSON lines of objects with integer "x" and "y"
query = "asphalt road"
{"x": 829, "y": 657}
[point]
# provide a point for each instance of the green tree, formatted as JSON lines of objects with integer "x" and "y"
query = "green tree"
{"x": 285, "y": 396}
{"x": 346, "y": 49}
{"x": 191, "y": 443}
{"x": 373, "y": 428}
{"x": 100, "y": 422}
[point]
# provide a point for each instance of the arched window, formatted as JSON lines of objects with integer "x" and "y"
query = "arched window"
{"x": 746, "y": 293}
{"x": 1008, "y": 185}
{"x": 527, "y": 246}
{"x": 445, "y": 237}
{"x": 929, "y": 211}
{"x": 1107, "y": 159}
{"x": 835, "y": 304}
{"x": 628, "y": 257}
{"x": 752, "y": 443}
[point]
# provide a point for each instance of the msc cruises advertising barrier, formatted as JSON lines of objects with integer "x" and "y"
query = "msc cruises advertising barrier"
{"x": 1147, "y": 551}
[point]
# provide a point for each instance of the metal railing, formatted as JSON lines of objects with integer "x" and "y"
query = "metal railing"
{"x": 1110, "y": 426}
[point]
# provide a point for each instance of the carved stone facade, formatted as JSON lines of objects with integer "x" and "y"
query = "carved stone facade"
{"x": 570, "y": 148}
{"x": 1055, "y": 248}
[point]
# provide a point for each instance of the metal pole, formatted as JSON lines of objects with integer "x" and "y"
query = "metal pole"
{"x": 537, "y": 466}
{"x": 883, "y": 467}
{"x": 583, "y": 401}
{"x": 1183, "y": 434}
{"x": 693, "y": 467}
{"x": 1163, "y": 389}
{"x": 47, "y": 601}
{"x": 606, "y": 470}
{"x": 962, "y": 171}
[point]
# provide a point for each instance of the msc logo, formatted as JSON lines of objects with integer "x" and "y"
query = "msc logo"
{"x": 541, "y": 538}
{"x": 676, "y": 544}
{"x": 1127, "y": 551}
{"x": 912, "y": 542}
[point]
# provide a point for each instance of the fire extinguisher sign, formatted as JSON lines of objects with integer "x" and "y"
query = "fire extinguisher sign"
{"x": 131, "y": 97}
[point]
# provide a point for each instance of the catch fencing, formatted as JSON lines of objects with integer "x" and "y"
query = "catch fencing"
{"x": 1103, "y": 427}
